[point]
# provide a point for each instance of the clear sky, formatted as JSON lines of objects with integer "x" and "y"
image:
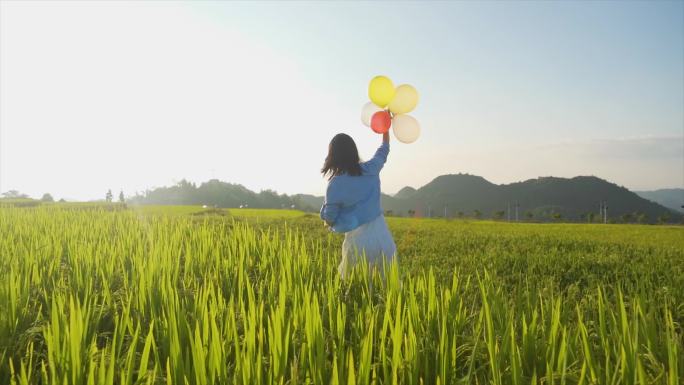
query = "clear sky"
{"x": 132, "y": 95}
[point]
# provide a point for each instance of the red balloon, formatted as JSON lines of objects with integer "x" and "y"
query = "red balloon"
{"x": 381, "y": 122}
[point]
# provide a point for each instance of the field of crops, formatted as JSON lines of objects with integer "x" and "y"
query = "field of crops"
{"x": 141, "y": 297}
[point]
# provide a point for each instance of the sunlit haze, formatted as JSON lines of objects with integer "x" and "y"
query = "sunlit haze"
{"x": 132, "y": 95}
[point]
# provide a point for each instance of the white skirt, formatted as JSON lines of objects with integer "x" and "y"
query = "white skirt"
{"x": 372, "y": 239}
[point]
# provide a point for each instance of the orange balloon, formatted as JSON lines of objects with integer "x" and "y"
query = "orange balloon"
{"x": 381, "y": 122}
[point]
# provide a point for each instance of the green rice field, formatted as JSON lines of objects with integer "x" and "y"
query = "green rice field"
{"x": 182, "y": 295}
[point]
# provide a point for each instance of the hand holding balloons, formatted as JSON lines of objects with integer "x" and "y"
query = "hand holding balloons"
{"x": 388, "y": 107}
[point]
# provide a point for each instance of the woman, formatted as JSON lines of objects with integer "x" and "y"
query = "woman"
{"x": 352, "y": 203}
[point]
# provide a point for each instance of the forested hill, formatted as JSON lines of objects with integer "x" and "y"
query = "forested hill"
{"x": 672, "y": 198}
{"x": 222, "y": 194}
{"x": 547, "y": 198}
{"x": 541, "y": 199}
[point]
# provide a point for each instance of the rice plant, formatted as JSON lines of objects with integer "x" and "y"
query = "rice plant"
{"x": 120, "y": 297}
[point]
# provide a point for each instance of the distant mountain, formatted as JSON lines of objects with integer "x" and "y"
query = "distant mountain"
{"x": 221, "y": 194}
{"x": 544, "y": 198}
{"x": 405, "y": 192}
{"x": 672, "y": 198}
{"x": 307, "y": 202}
{"x": 541, "y": 199}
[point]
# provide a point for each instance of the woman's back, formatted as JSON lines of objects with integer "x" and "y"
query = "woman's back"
{"x": 352, "y": 201}
{"x": 352, "y": 204}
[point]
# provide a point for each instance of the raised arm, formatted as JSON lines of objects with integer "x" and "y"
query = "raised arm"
{"x": 376, "y": 163}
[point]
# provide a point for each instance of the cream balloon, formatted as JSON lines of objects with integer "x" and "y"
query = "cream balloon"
{"x": 367, "y": 112}
{"x": 406, "y": 128}
{"x": 405, "y": 99}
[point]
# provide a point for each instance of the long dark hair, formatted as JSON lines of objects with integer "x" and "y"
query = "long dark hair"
{"x": 343, "y": 157}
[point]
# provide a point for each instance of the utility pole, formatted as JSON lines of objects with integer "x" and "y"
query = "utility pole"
{"x": 517, "y": 205}
{"x": 445, "y": 211}
{"x": 605, "y": 213}
{"x": 508, "y": 212}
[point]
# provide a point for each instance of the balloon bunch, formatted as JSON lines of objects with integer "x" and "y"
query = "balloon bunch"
{"x": 388, "y": 108}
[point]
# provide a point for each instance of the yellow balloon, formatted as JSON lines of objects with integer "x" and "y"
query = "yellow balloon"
{"x": 381, "y": 90}
{"x": 405, "y": 99}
